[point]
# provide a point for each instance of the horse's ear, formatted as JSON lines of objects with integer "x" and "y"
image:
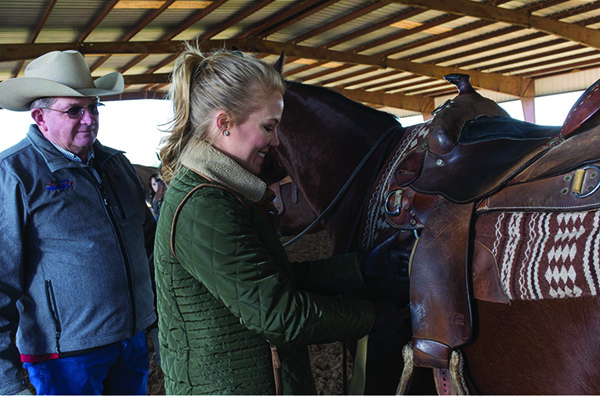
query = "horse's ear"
{"x": 236, "y": 51}
{"x": 279, "y": 64}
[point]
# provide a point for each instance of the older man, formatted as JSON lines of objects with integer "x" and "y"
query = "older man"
{"x": 76, "y": 237}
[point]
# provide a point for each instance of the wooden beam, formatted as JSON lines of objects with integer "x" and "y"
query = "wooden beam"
{"x": 99, "y": 18}
{"x": 412, "y": 103}
{"x": 340, "y": 21}
{"x": 421, "y": 104}
{"x": 136, "y": 95}
{"x": 137, "y": 79}
{"x": 405, "y": 33}
{"x": 232, "y": 20}
{"x": 281, "y": 19}
{"x": 511, "y": 85}
{"x": 569, "y": 31}
{"x": 528, "y": 109}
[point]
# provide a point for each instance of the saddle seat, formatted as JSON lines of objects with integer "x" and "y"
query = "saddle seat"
{"x": 488, "y": 152}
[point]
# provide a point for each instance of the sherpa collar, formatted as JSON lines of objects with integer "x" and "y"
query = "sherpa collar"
{"x": 210, "y": 162}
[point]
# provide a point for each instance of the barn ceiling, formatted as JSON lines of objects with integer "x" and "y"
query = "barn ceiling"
{"x": 387, "y": 53}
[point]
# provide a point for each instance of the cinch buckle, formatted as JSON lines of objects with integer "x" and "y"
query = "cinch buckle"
{"x": 397, "y": 202}
{"x": 580, "y": 176}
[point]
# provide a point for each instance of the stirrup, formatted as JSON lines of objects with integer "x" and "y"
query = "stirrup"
{"x": 449, "y": 381}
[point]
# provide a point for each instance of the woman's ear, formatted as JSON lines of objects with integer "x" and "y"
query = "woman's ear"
{"x": 222, "y": 120}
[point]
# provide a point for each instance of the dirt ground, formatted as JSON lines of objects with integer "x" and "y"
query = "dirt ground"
{"x": 327, "y": 359}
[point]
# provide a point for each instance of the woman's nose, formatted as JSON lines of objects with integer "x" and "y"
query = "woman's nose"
{"x": 275, "y": 140}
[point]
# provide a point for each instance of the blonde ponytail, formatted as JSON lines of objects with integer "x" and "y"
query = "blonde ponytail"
{"x": 203, "y": 85}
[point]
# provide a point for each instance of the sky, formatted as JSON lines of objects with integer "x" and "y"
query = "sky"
{"x": 134, "y": 126}
{"x": 137, "y": 126}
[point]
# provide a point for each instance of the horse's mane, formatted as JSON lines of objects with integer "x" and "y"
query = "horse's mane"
{"x": 356, "y": 111}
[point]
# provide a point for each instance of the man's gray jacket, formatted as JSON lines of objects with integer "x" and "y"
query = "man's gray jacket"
{"x": 75, "y": 241}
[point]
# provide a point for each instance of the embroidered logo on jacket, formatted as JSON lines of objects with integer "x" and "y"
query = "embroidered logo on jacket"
{"x": 62, "y": 185}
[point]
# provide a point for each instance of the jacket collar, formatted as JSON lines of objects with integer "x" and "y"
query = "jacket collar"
{"x": 56, "y": 160}
{"x": 203, "y": 158}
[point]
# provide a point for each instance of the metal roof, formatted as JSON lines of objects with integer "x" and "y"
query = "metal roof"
{"x": 387, "y": 53}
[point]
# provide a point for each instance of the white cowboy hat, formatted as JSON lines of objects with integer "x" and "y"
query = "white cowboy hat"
{"x": 57, "y": 73}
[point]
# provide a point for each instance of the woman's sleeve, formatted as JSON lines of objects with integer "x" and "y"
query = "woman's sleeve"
{"x": 330, "y": 276}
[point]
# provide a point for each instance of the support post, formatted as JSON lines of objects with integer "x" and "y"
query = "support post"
{"x": 528, "y": 109}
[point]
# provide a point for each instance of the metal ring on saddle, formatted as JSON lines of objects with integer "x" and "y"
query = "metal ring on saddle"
{"x": 578, "y": 180}
{"x": 397, "y": 202}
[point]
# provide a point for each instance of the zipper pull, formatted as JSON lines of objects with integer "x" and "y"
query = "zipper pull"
{"x": 57, "y": 342}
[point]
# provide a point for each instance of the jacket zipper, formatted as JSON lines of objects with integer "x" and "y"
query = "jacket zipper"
{"x": 54, "y": 312}
{"x": 121, "y": 246}
{"x": 119, "y": 203}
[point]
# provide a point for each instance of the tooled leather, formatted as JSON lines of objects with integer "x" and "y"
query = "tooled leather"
{"x": 472, "y": 171}
{"x": 412, "y": 211}
{"x": 585, "y": 108}
{"x": 439, "y": 292}
{"x": 548, "y": 194}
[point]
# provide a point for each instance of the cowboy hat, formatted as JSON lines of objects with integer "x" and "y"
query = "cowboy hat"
{"x": 57, "y": 74}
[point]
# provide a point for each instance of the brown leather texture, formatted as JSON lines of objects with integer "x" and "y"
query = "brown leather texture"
{"x": 579, "y": 149}
{"x": 552, "y": 194}
{"x": 486, "y": 276}
{"x": 412, "y": 212}
{"x": 428, "y": 353}
{"x": 439, "y": 290}
{"x": 450, "y": 117}
{"x": 585, "y": 107}
{"x": 472, "y": 171}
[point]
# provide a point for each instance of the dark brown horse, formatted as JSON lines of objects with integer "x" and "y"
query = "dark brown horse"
{"x": 294, "y": 211}
{"x": 501, "y": 270}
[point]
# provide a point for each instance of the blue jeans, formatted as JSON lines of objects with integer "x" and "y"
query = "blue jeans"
{"x": 121, "y": 368}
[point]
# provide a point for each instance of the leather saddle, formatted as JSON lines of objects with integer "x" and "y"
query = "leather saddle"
{"x": 483, "y": 164}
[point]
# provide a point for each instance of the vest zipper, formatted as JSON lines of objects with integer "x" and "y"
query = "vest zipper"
{"x": 54, "y": 312}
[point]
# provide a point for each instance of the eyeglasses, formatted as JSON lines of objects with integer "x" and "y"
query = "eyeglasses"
{"x": 76, "y": 112}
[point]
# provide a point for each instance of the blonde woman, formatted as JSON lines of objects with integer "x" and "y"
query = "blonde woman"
{"x": 235, "y": 315}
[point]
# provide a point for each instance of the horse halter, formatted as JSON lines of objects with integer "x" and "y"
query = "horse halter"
{"x": 345, "y": 187}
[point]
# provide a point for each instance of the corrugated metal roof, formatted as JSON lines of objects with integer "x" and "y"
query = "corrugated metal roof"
{"x": 398, "y": 47}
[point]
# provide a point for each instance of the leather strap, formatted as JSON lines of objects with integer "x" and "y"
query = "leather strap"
{"x": 277, "y": 370}
{"x": 357, "y": 384}
{"x": 439, "y": 289}
{"x": 572, "y": 191}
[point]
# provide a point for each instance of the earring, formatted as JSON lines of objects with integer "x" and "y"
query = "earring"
{"x": 226, "y": 133}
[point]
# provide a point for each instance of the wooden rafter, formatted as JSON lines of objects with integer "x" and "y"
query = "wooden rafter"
{"x": 569, "y": 31}
{"x": 502, "y": 49}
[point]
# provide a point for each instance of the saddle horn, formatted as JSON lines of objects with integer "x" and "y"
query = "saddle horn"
{"x": 462, "y": 82}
